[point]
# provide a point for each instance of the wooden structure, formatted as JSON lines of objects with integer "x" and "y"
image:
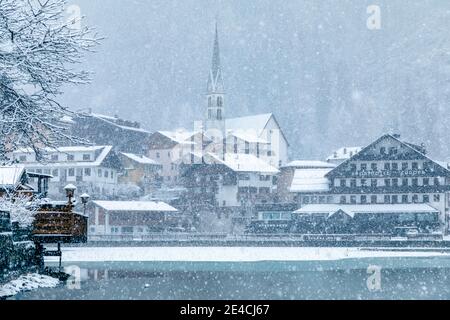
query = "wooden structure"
{"x": 56, "y": 222}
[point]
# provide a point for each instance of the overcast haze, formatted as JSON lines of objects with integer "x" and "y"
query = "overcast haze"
{"x": 329, "y": 80}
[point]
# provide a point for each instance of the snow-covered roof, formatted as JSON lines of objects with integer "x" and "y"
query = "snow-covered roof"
{"x": 310, "y": 180}
{"x": 63, "y": 149}
{"x": 181, "y": 136}
{"x": 352, "y": 209}
{"x": 67, "y": 119}
{"x": 240, "y": 162}
{"x": 105, "y": 150}
{"x": 113, "y": 121}
{"x": 344, "y": 153}
{"x": 256, "y": 122}
{"x": 10, "y": 175}
{"x": 144, "y": 206}
{"x": 309, "y": 164}
{"x": 140, "y": 159}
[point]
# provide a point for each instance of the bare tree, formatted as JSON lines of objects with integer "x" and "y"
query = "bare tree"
{"x": 21, "y": 208}
{"x": 39, "y": 52}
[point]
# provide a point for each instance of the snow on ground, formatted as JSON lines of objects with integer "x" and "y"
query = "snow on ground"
{"x": 27, "y": 282}
{"x": 228, "y": 254}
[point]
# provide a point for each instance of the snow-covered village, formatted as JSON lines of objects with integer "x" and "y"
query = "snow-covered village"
{"x": 174, "y": 162}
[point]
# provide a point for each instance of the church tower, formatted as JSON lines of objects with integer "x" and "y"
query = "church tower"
{"x": 215, "y": 114}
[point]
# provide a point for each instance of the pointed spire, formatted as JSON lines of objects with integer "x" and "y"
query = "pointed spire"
{"x": 215, "y": 81}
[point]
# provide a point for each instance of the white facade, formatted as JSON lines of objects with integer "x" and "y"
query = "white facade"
{"x": 85, "y": 167}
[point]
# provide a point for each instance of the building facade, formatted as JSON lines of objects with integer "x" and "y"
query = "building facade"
{"x": 391, "y": 171}
{"x": 93, "y": 169}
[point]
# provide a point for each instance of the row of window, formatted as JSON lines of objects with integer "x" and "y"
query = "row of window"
{"x": 375, "y": 166}
{"x": 390, "y": 199}
{"x": 57, "y": 157}
{"x": 394, "y": 182}
{"x": 72, "y": 172}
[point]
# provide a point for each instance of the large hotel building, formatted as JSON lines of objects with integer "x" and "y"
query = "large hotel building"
{"x": 391, "y": 171}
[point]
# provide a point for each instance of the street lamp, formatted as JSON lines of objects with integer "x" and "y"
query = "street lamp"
{"x": 84, "y": 200}
{"x": 70, "y": 192}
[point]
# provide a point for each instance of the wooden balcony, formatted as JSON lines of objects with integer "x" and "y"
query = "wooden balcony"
{"x": 59, "y": 225}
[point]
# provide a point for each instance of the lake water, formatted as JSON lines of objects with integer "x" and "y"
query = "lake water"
{"x": 363, "y": 278}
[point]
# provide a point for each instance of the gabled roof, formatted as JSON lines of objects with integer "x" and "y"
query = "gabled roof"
{"x": 239, "y": 162}
{"x": 142, "y": 206}
{"x": 390, "y": 136}
{"x": 114, "y": 121}
{"x": 179, "y": 136}
{"x": 10, "y": 176}
{"x": 102, "y": 153}
{"x": 140, "y": 159}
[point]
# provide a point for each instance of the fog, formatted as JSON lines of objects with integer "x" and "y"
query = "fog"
{"x": 329, "y": 80}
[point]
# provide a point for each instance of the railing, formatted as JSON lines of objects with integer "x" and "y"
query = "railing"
{"x": 278, "y": 237}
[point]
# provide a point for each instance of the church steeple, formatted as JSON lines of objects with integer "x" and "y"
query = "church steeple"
{"x": 215, "y": 80}
{"x": 215, "y": 116}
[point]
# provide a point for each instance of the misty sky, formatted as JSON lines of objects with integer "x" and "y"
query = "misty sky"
{"x": 329, "y": 80}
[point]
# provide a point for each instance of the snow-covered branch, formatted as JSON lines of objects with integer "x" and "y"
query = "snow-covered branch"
{"x": 39, "y": 53}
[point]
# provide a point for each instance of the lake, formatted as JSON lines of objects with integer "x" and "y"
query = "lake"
{"x": 354, "y": 278}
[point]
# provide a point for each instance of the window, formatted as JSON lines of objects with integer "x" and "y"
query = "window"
{"x": 395, "y": 182}
{"x": 405, "y": 198}
{"x": 436, "y": 181}
{"x": 112, "y": 174}
{"x": 247, "y": 147}
{"x": 87, "y": 172}
{"x": 363, "y": 182}
{"x": 353, "y": 199}
{"x": 342, "y": 181}
{"x": 158, "y": 155}
{"x": 353, "y": 183}
{"x": 244, "y": 177}
{"x": 415, "y": 198}
{"x": 373, "y": 199}
{"x": 415, "y": 182}
{"x": 99, "y": 173}
{"x": 387, "y": 199}
{"x": 55, "y": 157}
{"x": 55, "y": 172}
{"x": 363, "y": 199}
{"x": 219, "y": 101}
{"x": 404, "y": 182}
{"x": 426, "y": 181}
{"x": 382, "y": 150}
{"x": 436, "y": 197}
{"x": 127, "y": 229}
{"x": 70, "y": 157}
{"x": 321, "y": 199}
{"x": 353, "y": 167}
{"x": 414, "y": 166}
{"x": 394, "y": 166}
{"x": 394, "y": 199}
{"x": 343, "y": 199}
{"x": 86, "y": 157}
{"x": 404, "y": 165}
{"x": 219, "y": 114}
{"x": 387, "y": 182}
{"x": 71, "y": 172}
{"x": 393, "y": 150}
{"x": 374, "y": 182}
{"x": 374, "y": 166}
{"x": 106, "y": 173}
{"x": 387, "y": 166}
{"x": 22, "y": 158}
{"x": 426, "y": 198}
{"x": 363, "y": 166}
{"x": 209, "y": 113}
